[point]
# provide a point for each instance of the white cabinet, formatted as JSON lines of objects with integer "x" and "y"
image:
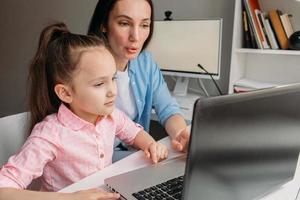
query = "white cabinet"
{"x": 272, "y": 66}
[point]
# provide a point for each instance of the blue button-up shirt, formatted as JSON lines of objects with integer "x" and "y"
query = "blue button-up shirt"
{"x": 150, "y": 91}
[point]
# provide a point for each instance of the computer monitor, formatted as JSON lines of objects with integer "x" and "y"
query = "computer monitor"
{"x": 178, "y": 46}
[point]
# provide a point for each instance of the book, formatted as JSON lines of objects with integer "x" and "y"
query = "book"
{"x": 250, "y": 6}
{"x": 260, "y": 19}
{"x": 271, "y": 35}
{"x": 238, "y": 89}
{"x": 254, "y": 84}
{"x": 286, "y": 23}
{"x": 252, "y": 36}
{"x": 247, "y": 42}
{"x": 282, "y": 38}
{"x": 252, "y": 25}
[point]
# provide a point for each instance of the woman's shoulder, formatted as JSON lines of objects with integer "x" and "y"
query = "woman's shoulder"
{"x": 143, "y": 63}
{"x": 144, "y": 58}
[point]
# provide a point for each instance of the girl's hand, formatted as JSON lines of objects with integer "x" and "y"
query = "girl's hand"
{"x": 156, "y": 152}
{"x": 93, "y": 194}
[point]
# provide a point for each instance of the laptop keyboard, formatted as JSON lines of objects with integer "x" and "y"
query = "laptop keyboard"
{"x": 169, "y": 190}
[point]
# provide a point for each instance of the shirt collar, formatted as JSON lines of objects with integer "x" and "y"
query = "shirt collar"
{"x": 72, "y": 121}
{"x": 69, "y": 119}
{"x": 130, "y": 66}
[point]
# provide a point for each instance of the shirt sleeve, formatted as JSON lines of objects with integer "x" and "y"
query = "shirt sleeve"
{"x": 164, "y": 104}
{"x": 29, "y": 162}
{"x": 126, "y": 129}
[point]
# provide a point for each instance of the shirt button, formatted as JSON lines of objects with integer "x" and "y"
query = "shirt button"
{"x": 101, "y": 155}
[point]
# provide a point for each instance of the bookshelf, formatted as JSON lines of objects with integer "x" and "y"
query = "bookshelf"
{"x": 264, "y": 65}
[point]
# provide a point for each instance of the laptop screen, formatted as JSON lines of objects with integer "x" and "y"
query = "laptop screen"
{"x": 243, "y": 146}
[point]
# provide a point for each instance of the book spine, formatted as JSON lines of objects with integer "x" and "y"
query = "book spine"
{"x": 253, "y": 5}
{"x": 261, "y": 28}
{"x": 253, "y": 24}
{"x": 286, "y": 23}
{"x": 271, "y": 35}
{"x": 278, "y": 28}
{"x": 246, "y": 32}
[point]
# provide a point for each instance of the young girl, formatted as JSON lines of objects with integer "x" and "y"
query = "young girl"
{"x": 74, "y": 121}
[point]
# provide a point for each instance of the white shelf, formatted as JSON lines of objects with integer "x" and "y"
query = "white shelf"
{"x": 267, "y": 51}
{"x": 264, "y": 65}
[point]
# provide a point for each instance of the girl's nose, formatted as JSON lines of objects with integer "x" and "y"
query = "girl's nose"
{"x": 112, "y": 90}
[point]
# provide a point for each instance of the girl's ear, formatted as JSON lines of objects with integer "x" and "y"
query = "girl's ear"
{"x": 64, "y": 93}
{"x": 102, "y": 29}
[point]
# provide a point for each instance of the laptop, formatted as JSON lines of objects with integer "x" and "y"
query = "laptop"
{"x": 242, "y": 147}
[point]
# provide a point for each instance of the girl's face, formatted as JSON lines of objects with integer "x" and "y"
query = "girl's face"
{"x": 93, "y": 87}
{"x": 128, "y": 28}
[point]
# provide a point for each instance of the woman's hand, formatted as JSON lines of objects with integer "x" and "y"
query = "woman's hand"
{"x": 156, "y": 152}
{"x": 93, "y": 194}
{"x": 181, "y": 141}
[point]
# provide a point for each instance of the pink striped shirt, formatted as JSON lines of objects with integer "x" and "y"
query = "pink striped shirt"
{"x": 64, "y": 149}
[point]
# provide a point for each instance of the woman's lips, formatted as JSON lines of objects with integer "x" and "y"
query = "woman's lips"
{"x": 132, "y": 50}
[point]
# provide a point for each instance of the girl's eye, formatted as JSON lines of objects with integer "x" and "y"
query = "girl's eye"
{"x": 114, "y": 78}
{"x": 98, "y": 84}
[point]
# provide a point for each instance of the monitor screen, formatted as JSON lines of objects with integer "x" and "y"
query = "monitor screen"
{"x": 179, "y": 46}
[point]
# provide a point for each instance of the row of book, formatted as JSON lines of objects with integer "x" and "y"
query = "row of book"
{"x": 247, "y": 85}
{"x": 265, "y": 30}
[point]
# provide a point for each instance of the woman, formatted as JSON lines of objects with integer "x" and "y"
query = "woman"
{"x": 128, "y": 26}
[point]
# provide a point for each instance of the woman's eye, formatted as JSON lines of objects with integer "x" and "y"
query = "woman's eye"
{"x": 145, "y": 25}
{"x": 123, "y": 23}
{"x": 114, "y": 78}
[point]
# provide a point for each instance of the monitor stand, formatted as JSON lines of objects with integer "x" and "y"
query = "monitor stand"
{"x": 181, "y": 86}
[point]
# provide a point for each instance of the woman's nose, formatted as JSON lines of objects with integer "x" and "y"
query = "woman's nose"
{"x": 134, "y": 34}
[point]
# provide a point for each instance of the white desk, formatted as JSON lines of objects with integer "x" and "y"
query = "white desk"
{"x": 133, "y": 161}
{"x": 138, "y": 160}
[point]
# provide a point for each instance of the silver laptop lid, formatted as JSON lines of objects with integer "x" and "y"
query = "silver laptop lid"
{"x": 243, "y": 146}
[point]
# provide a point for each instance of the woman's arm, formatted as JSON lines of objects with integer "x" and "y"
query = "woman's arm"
{"x": 152, "y": 149}
{"x": 91, "y": 194}
{"x": 177, "y": 129}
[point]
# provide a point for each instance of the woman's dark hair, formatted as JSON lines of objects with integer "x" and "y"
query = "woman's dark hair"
{"x": 54, "y": 62}
{"x": 101, "y": 15}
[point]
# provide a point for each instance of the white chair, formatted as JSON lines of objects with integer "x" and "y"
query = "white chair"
{"x": 13, "y": 130}
{"x": 13, "y": 133}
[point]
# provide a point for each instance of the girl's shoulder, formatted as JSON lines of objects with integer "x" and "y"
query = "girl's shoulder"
{"x": 46, "y": 128}
{"x": 117, "y": 114}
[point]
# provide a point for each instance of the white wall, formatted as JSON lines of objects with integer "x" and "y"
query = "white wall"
{"x": 22, "y": 20}
{"x": 195, "y": 9}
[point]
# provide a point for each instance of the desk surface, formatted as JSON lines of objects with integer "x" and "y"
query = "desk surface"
{"x": 133, "y": 161}
{"x": 137, "y": 160}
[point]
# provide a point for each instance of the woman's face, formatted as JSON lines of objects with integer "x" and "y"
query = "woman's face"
{"x": 128, "y": 28}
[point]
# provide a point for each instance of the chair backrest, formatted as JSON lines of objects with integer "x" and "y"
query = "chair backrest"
{"x": 13, "y": 130}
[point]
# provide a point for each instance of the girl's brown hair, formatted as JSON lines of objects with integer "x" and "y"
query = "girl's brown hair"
{"x": 54, "y": 62}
